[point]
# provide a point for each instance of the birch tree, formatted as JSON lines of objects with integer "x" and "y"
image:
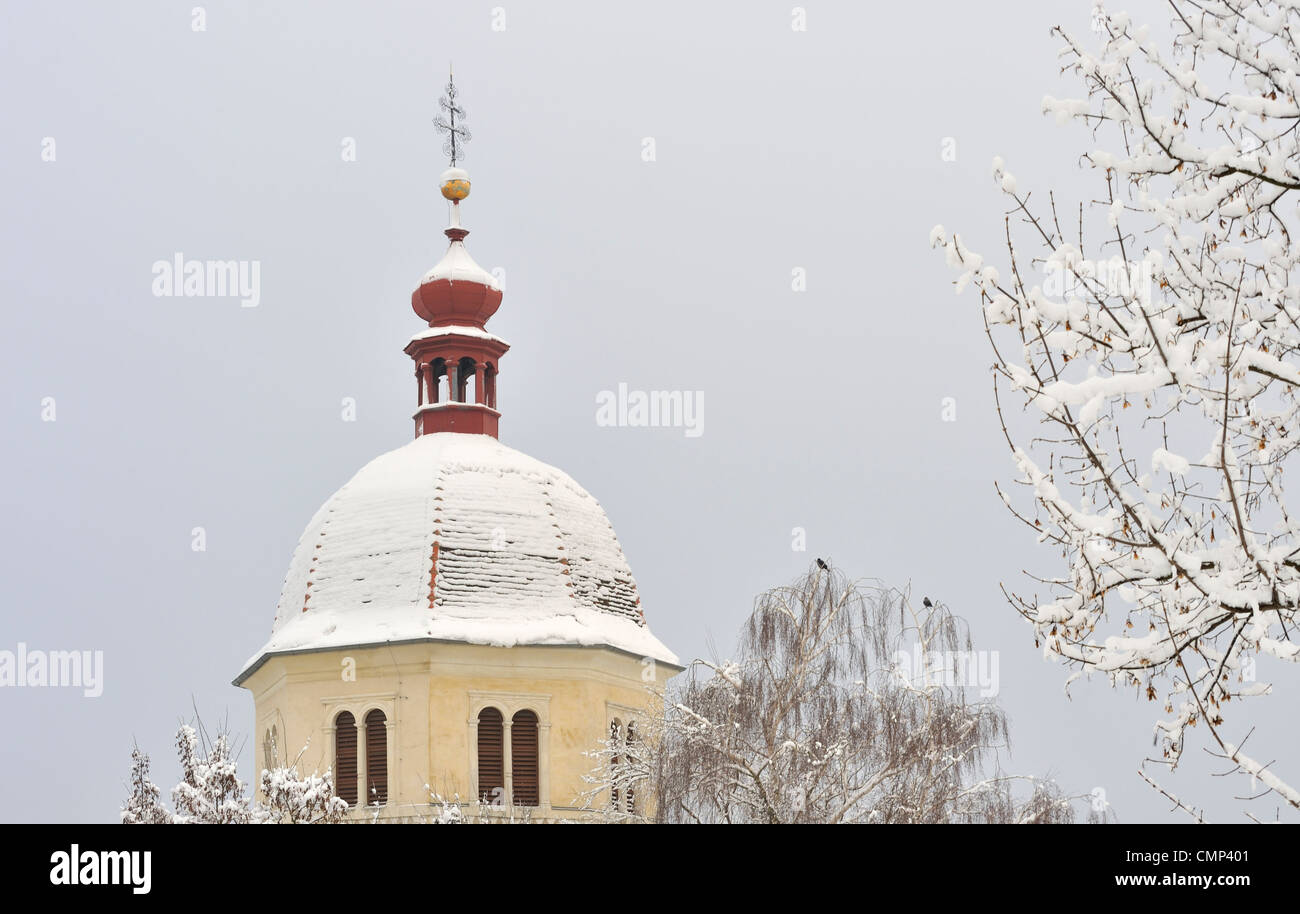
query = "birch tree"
{"x": 822, "y": 716}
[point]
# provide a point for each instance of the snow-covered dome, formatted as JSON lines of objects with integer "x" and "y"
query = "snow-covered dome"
{"x": 457, "y": 537}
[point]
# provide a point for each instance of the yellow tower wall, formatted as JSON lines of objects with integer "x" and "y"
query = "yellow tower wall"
{"x": 431, "y": 694}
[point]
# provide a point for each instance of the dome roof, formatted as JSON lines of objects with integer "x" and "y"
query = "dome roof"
{"x": 457, "y": 537}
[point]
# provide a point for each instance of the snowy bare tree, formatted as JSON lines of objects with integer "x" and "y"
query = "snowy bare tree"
{"x": 820, "y": 718}
{"x": 625, "y": 771}
{"x": 1152, "y": 337}
{"x": 289, "y": 798}
{"x": 210, "y": 791}
{"x": 143, "y": 805}
{"x": 444, "y": 811}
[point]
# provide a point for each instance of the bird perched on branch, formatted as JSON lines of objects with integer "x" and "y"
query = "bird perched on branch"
{"x": 925, "y": 601}
{"x": 822, "y": 565}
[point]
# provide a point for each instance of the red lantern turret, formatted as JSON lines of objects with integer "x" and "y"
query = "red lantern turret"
{"x": 457, "y": 361}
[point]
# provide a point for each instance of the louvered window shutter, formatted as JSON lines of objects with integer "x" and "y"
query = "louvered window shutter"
{"x": 376, "y": 758}
{"x": 491, "y": 756}
{"x": 523, "y": 759}
{"x": 345, "y": 757}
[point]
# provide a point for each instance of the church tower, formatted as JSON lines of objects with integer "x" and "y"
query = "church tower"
{"x": 458, "y": 619}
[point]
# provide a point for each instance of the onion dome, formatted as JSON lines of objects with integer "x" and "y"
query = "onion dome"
{"x": 457, "y": 290}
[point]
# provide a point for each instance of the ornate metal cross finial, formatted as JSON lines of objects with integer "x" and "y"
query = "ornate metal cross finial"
{"x": 453, "y": 123}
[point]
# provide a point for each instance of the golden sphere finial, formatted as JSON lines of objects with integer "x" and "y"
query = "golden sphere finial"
{"x": 454, "y": 184}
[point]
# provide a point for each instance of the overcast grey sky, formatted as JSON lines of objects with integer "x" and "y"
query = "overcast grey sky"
{"x": 775, "y": 150}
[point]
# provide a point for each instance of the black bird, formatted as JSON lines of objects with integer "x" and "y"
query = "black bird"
{"x": 925, "y": 601}
{"x": 822, "y": 565}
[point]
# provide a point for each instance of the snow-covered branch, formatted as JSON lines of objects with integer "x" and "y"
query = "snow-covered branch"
{"x": 1156, "y": 342}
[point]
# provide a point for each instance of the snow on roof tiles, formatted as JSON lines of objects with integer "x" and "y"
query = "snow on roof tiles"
{"x": 509, "y": 550}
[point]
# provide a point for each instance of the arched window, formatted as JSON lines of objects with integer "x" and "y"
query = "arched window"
{"x": 270, "y": 752}
{"x": 628, "y": 798}
{"x": 376, "y": 758}
{"x": 523, "y": 759}
{"x": 615, "y": 763}
{"x": 345, "y": 757}
{"x": 491, "y": 757}
{"x": 467, "y": 379}
{"x": 438, "y": 392}
{"x": 490, "y": 385}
